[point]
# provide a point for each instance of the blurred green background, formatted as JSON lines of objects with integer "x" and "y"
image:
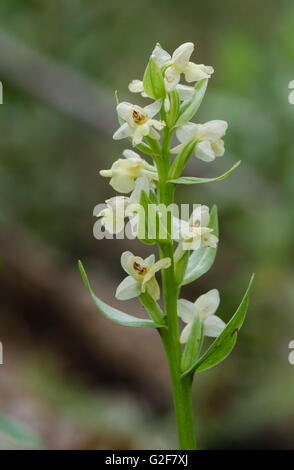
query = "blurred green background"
{"x": 74, "y": 379}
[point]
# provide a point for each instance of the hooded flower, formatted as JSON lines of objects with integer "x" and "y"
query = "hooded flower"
{"x": 113, "y": 216}
{"x": 194, "y": 233}
{"x": 124, "y": 172}
{"x": 141, "y": 276}
{"x": 205, "y": 306}
{"x": 139, "y": 122}
{"x": 120, "y": 207}
{"x": 209, "y": 139}
{"x": 179, "y": 63}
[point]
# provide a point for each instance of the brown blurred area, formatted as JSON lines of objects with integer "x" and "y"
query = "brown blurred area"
{"x": 75, "y": 379}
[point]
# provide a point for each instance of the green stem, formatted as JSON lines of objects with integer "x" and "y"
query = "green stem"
{"x": 170, "y": 336}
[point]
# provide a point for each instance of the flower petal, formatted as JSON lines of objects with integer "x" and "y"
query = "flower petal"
{"x": 152, "y": 109}
{"x": 186, "y": 310}
{"x": 186, "y": 333}
{"x": 171, "y": 78}
{"x": 123, "y": 109}
{"x": 128, "y": 289}
{"x": 131, "y": 154}
{"x": 195, "y": 72}
{"x": 136, "y": 86}
{"x": 122, "y": 132}
{"x": 204, "y": 151}
{"x": 150, "y": 260}
{"x": 207, "y": 304}
{"x": 186, "y": 132}
{"x": 124, "y": 260}
{"x": 185, "y": 92}
{"x": 213, "y": 130}
{"x": 122, "y": 183}
{"x": 160, "y": 56}
{"x": 200, "y": 216}
{"x": 218, "y": 147}
{"x": 213, "y": 326}
{"x": 182, "y": 54}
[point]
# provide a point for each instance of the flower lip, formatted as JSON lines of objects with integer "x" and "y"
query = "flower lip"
{"x": 138, "y": 118}
{"x": 139, "y": 268}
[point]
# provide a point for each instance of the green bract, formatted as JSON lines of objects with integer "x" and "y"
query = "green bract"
{"x": 114, "y": 314}
{"x": 194, "y": 180}
{"x": 224, "y": 344}
{"x": 153, "y": 81}
{"x": 189, "y": 109}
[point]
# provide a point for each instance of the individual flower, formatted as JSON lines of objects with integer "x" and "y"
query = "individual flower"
{"x": 179, "y": 63}
{"x": 141, "y": 276}
{"x": 124, "y": 172}
{"x": 118, "y": 208}
{"x": 208, "y": 136}
{"x": 113, "y": 216}
{"x": 205, "y": 307}
{"x": 185, "y": 92}
{"x": 139, "y": 122}
{"x": 194, "y": 233}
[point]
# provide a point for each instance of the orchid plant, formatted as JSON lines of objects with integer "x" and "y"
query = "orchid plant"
{"x": 187, "y": 248}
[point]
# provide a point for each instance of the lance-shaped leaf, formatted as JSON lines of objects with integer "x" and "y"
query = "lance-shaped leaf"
{"x": 193, "y": 346}
{"x": 153, "y": 81}
{"x": 114, "y": 314}
{"x": 190, "y": 108}
{"x": 224, "y": 344}
{"x": 194, "y": 180}
{"x": 201, "y": 260}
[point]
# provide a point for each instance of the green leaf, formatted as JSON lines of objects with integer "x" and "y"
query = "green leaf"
{"x": 190, "y": 108}
{"x": 112, "y": 313}
{"x": 181, "y": 161}
{"x": 15, "y": 431}
{"x": 194, "y": 180}
{"x": 224, "y": 344}
{"x": 201, "y": 260}
{"x": 153, "y": 81}
{"x": 193, "y": 346}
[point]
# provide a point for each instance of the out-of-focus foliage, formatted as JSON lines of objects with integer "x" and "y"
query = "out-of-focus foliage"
{"x": 49, "y": 173}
